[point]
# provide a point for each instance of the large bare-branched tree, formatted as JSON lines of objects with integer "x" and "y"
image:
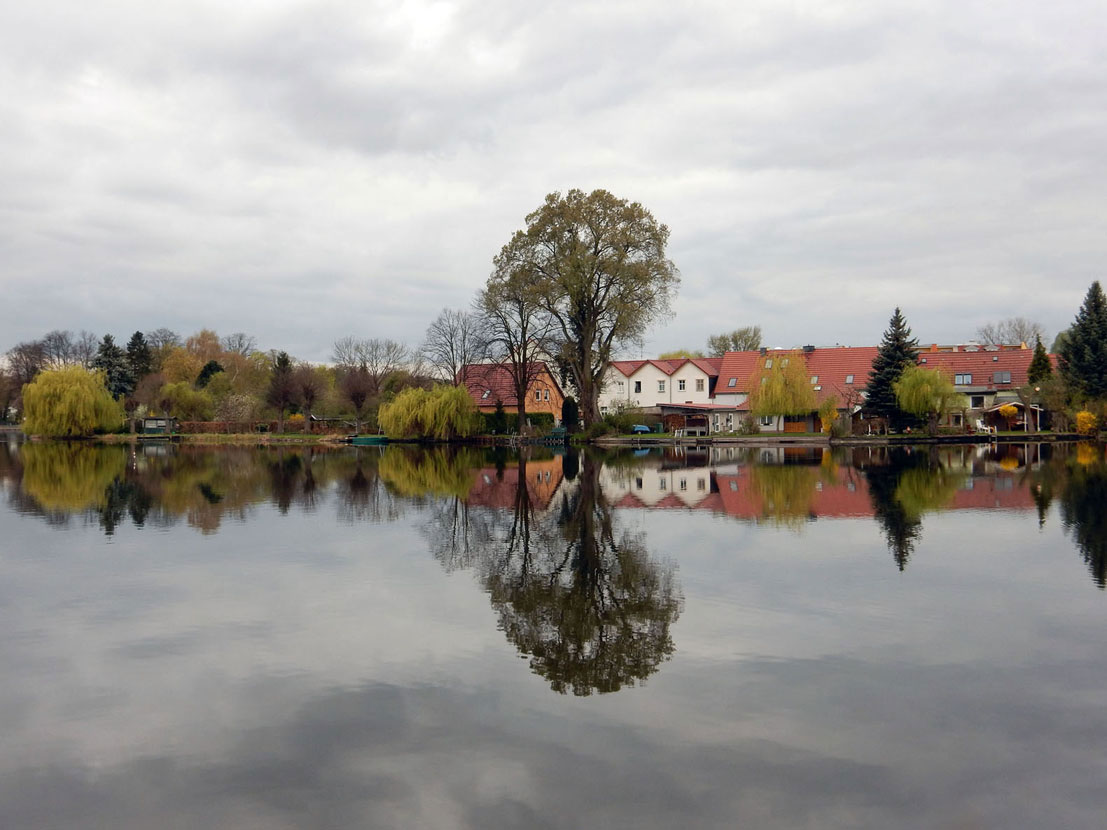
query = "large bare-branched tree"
{"x": 598, "y": 267}
{"x": 378, "y": 357}
{"x": 455, "y": 339}
{"x": 518, "y": 328}
{"x": 240, "y": 343}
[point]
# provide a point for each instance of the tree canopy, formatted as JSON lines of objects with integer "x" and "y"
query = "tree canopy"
{"x": 597, "y": 265}
{"x": 69, "y": 403}
{"x": 1040, "y": 368}
{"x": 898, "y": 350}
{"x": 1083, "y": 355}
{"x": 743, "y": 339}
{"x": 1013, "y": 330}
{"x": 927, "y": 394}
{"x": 781, "y": 386}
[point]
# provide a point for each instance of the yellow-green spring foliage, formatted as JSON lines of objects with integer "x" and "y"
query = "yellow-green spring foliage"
{"x": 1085, "y": 422}
{"x": 925, "y": 392}
{"x": 443, "y": 412}
{"x": 67, "y": 476}
{"x": 780, "y": 386}
{"x": 69, "y": 403}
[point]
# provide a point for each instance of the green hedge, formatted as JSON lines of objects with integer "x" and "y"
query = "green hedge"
{"x": 539, "y": 420}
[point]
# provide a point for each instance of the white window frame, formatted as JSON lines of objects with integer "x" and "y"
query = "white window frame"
{"x": 661, "y": 386}
{"x": 699, "y": 384}
{"x": 681, "y": 385}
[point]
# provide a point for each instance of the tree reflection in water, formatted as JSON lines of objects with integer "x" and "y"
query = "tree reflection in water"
{"x": 903, "y": 486}
{"x": 1084, "y": 508}
{"x": 576, "y": 594}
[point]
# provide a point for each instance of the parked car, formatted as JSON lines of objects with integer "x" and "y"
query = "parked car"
{"x": 640, "y": 429}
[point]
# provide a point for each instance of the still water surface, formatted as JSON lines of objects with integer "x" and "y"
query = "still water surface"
{"x": 355, "y": 638}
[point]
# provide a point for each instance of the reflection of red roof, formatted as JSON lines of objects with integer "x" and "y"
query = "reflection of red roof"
{"x": 841, "y": 494}
{"x": 493, "y": 489}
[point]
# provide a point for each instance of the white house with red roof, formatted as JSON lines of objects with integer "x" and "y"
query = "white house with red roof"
{"x": 715, "y": 391}
{"x": 644, "y": 384}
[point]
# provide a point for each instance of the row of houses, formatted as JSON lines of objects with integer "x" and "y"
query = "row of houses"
{"x": 711, "y": 395}
{"x": 708, "y": 395}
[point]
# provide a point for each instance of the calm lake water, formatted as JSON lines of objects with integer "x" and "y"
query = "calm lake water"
{"x": 301, "y": 638}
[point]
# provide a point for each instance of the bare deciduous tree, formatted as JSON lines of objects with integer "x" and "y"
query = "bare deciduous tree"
{"x": 355, "y": 385}
{"x": 308, "y": 386}
{"x": 379, "y": 357}
{"x": 518, "y": 328}
{"x": 240, "y": 343}
{"x": 1013, "y": 330}
{"x": 455, "y": 339}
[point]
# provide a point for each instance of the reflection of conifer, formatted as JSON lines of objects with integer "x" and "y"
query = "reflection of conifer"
{"x": 1082, "y": 512}
{"x": 901, "y": 529}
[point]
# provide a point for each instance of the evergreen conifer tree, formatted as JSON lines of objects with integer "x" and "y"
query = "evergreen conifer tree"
{"x": 1083, "y": 356}
{"x": 140, "y": 358}
{"x": 282, "y": 388}
{"x": 1040, "y": 367}
{"x": 898, "y": 350}
{"x": 112, "y": 360}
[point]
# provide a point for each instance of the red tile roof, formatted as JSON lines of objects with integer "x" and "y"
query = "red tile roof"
{"x": 982, "y": 365}
{"x": 709, "y": 365}
{"x": 832, "y": 367}
{"x": 489, "y": 382}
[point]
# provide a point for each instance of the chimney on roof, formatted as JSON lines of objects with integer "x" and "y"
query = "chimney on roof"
{"x": 933, "y": 347}
{"x": 808, "y": 349}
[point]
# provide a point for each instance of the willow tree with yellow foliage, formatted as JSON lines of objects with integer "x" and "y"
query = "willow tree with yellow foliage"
{"x": 780, "y": 386}
{"x": 69, "y": 403}
{"x": 442, "y": 413}
{"x": 928, "y": 394}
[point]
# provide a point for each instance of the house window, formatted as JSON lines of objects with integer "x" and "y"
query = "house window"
{"x": 976, "y": 402}
{"x": 957, "y": 419}
{"x": 661, "y": 386}
{"x": 684, "y": 484}
{"x": 637, "y": 386}
{"x": 962, "y": 380}
{"x": 814, "y": 379}
{"x": 784, "y": 362}
{"x": 699, "y": 384}
{"x": 487, "y": 392}
{"x": 680, "y": 385}
{"x": 538, "y": 394}
{"x": 701, "y": 484}
{"x": 733, "y": 486}
{"x": 769, "y": 363}
{"x": 729, "y": 422}
{"x": 545, "y": 394}
{"x": 638, "y": 483}
{"x": 732, "y": 381}
{"x": 1001, "y": 377}
{"x": 662, "y": 484}
{"x": 766, "y": 420}
{"x": 622, "y": 386}
{"x": 849, "y": 378}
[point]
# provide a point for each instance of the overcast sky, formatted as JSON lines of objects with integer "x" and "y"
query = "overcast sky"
{"x": 305, "y": 170}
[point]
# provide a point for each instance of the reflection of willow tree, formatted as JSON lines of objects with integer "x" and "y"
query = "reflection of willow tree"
{"x": 70, "y": 477}
{"x": 910, "y": 484}
{"x": 585, "y": 602}
{"x": 787, "y": 492}
{"x": 439, "y": 471}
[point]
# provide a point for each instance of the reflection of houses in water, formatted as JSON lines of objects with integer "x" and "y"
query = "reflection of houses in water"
{"x": 782, "y": 490}
{"x": 499, "y": 487}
